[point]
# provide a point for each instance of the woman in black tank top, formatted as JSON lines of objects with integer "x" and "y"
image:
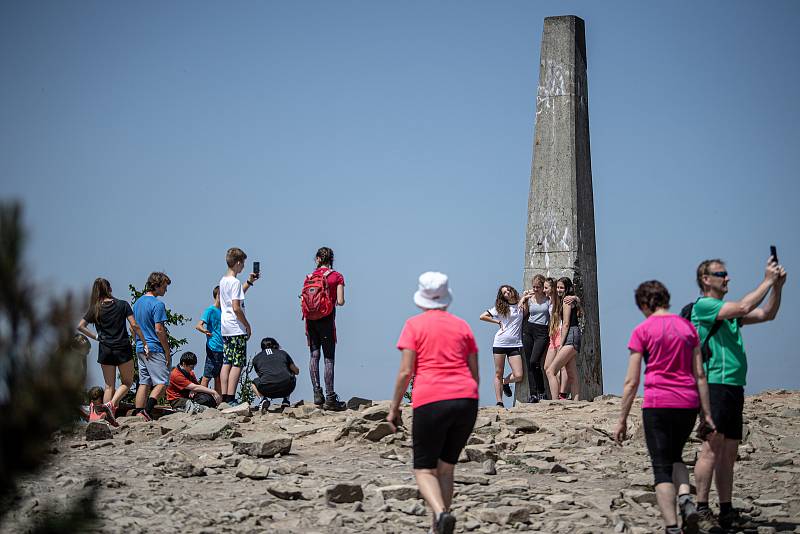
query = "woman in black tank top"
{"x": 570, "y": 337}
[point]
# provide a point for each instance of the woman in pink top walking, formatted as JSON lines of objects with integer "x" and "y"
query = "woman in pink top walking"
{"x": 439, "y": 351}
{"x": 674, "y": 387}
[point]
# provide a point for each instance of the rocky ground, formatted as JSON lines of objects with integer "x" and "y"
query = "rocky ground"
{"x": 548, "y": 467}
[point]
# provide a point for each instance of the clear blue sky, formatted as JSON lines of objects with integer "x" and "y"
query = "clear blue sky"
{"x": 153, "y": 136}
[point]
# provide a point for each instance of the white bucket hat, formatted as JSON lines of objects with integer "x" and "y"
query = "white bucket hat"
{"x": 433, "y": 291}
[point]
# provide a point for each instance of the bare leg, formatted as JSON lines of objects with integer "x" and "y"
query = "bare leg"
{"x": 548, "y": 361}
{"x": 233, "y": 379}
{"x": 562, "y": 357}
{"x": 665, "y": 496}
{"x": 704, "y": 468}
{"x": 428, "y": 483}
{"x": 572, "y": 373}
{"x": 205, "y": 381}
{"x": 499, "y": 366}
{"x": 723, "y": 470}
{"x": 223, "y": 376}
{"x": 446, "y": 472}
{"x": 158, "y": 390}
{"x": 109, "y": 381}
{"x": 255, "y": 390}
{"x": 141, "y": 395}
{"x": 680, "y": 478}
{"x": 516, "y": 370}
{"x": 217, "y": 385}
{"x": 126, "y": 377}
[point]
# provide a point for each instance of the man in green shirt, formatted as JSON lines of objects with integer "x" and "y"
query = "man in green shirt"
{"x": 726, "y": 371}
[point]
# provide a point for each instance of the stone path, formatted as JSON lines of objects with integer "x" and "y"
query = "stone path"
{"x": 549, "y": 467}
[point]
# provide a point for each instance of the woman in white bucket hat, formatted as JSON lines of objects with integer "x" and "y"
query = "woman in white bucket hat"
{"x": 439, "y": 351}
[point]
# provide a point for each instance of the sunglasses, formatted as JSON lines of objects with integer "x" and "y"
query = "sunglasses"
{"x": 719, "y": 274}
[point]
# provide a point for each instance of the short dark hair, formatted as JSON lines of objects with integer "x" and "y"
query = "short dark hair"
{"x": 702, "y": 270}
{"x": 155, "y": 280}
{"x": 270, "y": 343}
{"x": 188, "y": 358}
{"x": 95, "y": 394}
{"x": 215, "y": 292}
{"x": 652, "y": 294}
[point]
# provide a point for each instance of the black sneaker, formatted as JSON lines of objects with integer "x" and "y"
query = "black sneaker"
{"x": 500, "y": 404}
{"x": 263, "y": 406}
{"x": 319, "y": 398}
{"x": 333, "y": 403}
{"x": 533, "y": 399}
{"x": 445, "y": 523}
{"x": 707, "y": 523}
{"x": 285, "y": 402}
{"x": 689, "y": 516}
{"x": 732, "y": 519}
{"x": 507, "y": 390}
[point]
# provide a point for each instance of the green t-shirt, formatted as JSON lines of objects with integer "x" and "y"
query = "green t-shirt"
{"x": 728, "y": 363}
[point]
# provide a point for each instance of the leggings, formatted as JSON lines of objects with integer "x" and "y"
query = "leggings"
{"x": 666, "y": 431}
{"x": 535, "y": 339}
{"x": 321, "y": 335}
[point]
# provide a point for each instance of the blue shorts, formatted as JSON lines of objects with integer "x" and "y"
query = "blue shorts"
{"x": 153, "y": 369}
{"x": 213, "y": 364}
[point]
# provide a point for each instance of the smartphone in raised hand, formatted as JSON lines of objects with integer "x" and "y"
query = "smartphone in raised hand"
{"x": 257, "y": 267}
{"x": 773, "y": 253}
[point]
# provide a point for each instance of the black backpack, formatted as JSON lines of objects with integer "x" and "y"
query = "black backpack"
{"x": 686, "y": 313}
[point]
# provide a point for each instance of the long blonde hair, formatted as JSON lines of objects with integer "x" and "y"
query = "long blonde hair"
{"x": 555, "y": 302}
{"x": 101, "y": 290}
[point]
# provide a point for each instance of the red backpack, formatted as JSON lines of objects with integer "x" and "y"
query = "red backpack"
{"x": 315, "y": 300}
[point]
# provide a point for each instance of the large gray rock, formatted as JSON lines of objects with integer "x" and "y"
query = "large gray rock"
{"x": 376, "y": 413}
{"x": 522, "y": 424}
{"x": 344, "y": 493}
{"x": 504, "y": 515}
{"x": 481, "y": 453}
{"x": 97, "y": 430}
{"x": 262, "y": 445}
{"x": 207, "y": 429}
{"x": 183, "y": 464}
{"x": 171, "y": 425}
{"x": 356, "y": 403}
{"x": 252, "y": 469}
{"x": 240, "y": 410}
{"x": 379, "y": 432}
{"x": 401, "y": 492}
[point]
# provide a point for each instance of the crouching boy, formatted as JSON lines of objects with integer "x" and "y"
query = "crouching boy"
{"x": 184, "y": 392}
{"x": 276, "y": 374}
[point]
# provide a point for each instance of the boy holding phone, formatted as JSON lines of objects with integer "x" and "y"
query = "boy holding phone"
{"x": 726, "y": 370}
{"x": 234, "y": 326}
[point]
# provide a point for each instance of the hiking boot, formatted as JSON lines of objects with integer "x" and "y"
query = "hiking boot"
{"x": 319, "y": 398}
{"x": 333, "y": 403}
{"x": 689, "y": 515}
{"x": 445, "y": 523}
{"x": 707, "y": 523}
{"x": 507, "y": 390}
{"x": 732, "y": 519}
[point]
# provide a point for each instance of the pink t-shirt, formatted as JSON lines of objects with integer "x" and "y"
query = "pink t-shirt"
{"x": 669, "y": 341}
{"x": 442, "y": 342}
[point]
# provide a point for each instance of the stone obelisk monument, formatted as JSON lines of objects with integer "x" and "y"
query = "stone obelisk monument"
{"x": 560, "y": 236}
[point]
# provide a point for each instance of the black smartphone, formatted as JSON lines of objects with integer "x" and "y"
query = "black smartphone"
{"x": 257, "y": 267}
{"x": 773, "y": 252}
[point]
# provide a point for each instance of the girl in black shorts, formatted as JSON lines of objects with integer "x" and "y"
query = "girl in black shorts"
{"x": 108, "y": 315}
{"x": 508, "y": 315}
{"x": 569, "y": 341}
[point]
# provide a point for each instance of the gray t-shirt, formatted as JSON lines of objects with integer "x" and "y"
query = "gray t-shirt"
{"x": 539, "y": 313}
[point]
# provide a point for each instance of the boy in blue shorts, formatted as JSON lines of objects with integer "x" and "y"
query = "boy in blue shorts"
{"x": 209, "y": 325}
{"x": 154, "y": 365}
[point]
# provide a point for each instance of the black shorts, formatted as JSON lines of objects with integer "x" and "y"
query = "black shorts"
{"x": 440, "y": 430}
{"x": 666, "y": 431}
{"x": 727, "y": 405}
{"x": 114, "y": 356}
{"x": 507, "y": 351}
{"x": 275, "y": 391}
{"x": 321, "y": 332}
